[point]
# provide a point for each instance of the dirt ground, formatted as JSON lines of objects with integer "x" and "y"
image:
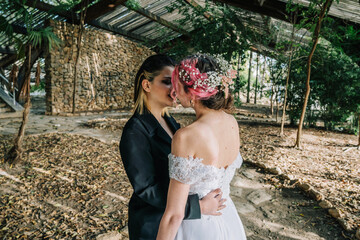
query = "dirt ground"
{"x": 72, "y": 183}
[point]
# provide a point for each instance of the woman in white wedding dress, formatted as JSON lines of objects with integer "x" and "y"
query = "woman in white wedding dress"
{"x": 205, "y": 154}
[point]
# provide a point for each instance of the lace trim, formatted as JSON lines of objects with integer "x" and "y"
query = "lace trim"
{"x": 189, "y": 170}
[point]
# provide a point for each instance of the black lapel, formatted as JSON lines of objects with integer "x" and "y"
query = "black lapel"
{"x": 172, "y": 123}
{"x": 161, "y": 133}
{"x": 154, "y": 127}
{"x": 149, "y": 121}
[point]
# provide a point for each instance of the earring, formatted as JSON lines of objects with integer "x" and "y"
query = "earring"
{"x": 192, "y": 103}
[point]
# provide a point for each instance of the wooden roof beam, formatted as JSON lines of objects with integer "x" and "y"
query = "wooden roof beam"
{"x": 124, "y": 33}
{"x": 42, "y": 6}
{"x": 199, "y": 8}
{"x": 8, "y": 60}
{"x": 19, "y": 29}
{"x": 94, "y": 9}
{"x": 82, "y": 4}
{"x": 7, "y": 50}
{"x": 271, "y": 8}
{"x": 275, "y": 9}
{"x": 159, "y": 20}
{"x": 101, "y": 8}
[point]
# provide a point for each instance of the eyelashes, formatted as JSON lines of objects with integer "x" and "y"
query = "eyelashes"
{"x": 167, "y": 82}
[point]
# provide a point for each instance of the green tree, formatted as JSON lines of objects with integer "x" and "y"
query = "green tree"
{"x": 323, "y": 10}
{"x": 33, "y": 40}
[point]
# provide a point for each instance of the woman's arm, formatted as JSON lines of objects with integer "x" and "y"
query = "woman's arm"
{"x": 174, "y": 213}
{"x": 140, "y": 167}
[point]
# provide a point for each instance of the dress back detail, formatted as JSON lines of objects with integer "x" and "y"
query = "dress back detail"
{"x": 202, "y": 178}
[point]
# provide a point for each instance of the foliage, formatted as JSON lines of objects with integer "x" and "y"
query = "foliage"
{"x": 133, "y": 4}
{"x": 37, "y": 88}
{"x": 344, "y": 37}
{"x": 223, "y": 32}
{"x": 335, "y": 94}
{"x": 36, "y": 36}
{"x": 240, "y": 83}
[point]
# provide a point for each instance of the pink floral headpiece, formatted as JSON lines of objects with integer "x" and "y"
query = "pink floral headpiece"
{"x": 204, "y": 85}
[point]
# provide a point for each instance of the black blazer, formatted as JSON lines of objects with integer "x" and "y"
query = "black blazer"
{"x": 144, "y": 149}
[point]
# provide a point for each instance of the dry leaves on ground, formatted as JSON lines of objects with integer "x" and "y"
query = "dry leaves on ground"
{"x": 328, "y": 161}
{"x": 70, "y": 187}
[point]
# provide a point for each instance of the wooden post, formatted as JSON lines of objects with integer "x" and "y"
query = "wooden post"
{"x": 15, "y": 153}
{"x": 359, "y": 131}
{"x": 257, "y": 76}
{"x": 81, "y": 30}
{"x": 13, "y": 77}
{"x": 248, "y": 86}
{"x": 37, "y": 75}
{"x": 262, "y": 80}
{"x": 277, "y": 103}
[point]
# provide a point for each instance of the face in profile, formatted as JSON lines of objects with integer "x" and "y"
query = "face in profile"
{"x": 183, "y": 96}
{"x": 159, "y": 90}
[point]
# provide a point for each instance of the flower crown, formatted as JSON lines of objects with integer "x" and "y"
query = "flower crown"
{"x": 207, "y": 84}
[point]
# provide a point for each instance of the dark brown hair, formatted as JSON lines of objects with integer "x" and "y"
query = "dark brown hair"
{"x": 151, "y": 67}
{"x": 206, "y": 63}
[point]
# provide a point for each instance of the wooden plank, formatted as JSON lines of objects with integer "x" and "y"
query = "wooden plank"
{"x": 124, "y": 33}
{"x": 19, "y": 29}
{"x": 81, "y": 4}
{"x": 277, "y": 9}
{"x": 93, "y": 11}
{"x": 42, "y": 6}
{"x": 346, "y": 9}
{"x": 101, "y": 8}
{"x": 9, "y": 101}
{"x": 159, "y": 20}
{"x": 11, "y": 115}
{"x": 272, "y": 8}
{"x": 8, "y": 60}
{"x": 7, "y": 50}
{"x": 199, "y": 8}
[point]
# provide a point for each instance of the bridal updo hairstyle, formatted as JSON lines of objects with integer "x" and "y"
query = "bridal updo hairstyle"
{"x": 150, "y": 68}
{"x": 205, "y": 64}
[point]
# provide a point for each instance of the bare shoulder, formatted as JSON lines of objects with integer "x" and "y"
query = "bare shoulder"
{"x": 232, "y": 120}
{"x": 186, "y": 140}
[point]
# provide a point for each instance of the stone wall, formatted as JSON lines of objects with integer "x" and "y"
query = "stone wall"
{"x": 105, "y": 75}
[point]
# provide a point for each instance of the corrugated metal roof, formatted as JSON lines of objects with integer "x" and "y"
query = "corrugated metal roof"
{"x": 128, "y": 21}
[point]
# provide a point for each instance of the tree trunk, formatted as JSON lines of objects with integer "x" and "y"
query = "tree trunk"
{"x": 13, "y": 76}
{"x": 37, "y": 75}
{"x": 324, "y": 8}
{"x": 257, "y": 76}
{"x": 287, "y": 83}
{"x": 238, "y": 72}
{"x": 262, "y": 80}
{"x": 277, "y": 104}
{"x": 15, "y": 153}
{"x": 81, "y": 30}
{"x": 359, "y": 131}
{"x": 22, "y": 77}
{"x": 271, "y": 100}
{"x": 248, "y": 86}
{"x": 238, "y": 66}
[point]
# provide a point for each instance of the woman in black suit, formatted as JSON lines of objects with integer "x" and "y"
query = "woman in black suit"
{"x": 145, "y": 145}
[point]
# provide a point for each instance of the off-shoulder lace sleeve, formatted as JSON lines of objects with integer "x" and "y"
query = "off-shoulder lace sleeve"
{"x": 185, "y": 170}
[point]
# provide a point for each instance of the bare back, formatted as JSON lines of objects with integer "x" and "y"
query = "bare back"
{"x": 214, "y": 138}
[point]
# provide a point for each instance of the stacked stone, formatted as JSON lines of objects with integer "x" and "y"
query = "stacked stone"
{"x": 105, "y": 75}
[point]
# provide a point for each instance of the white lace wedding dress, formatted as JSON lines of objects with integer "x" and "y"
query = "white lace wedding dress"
{"x": 202, "y": 180}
